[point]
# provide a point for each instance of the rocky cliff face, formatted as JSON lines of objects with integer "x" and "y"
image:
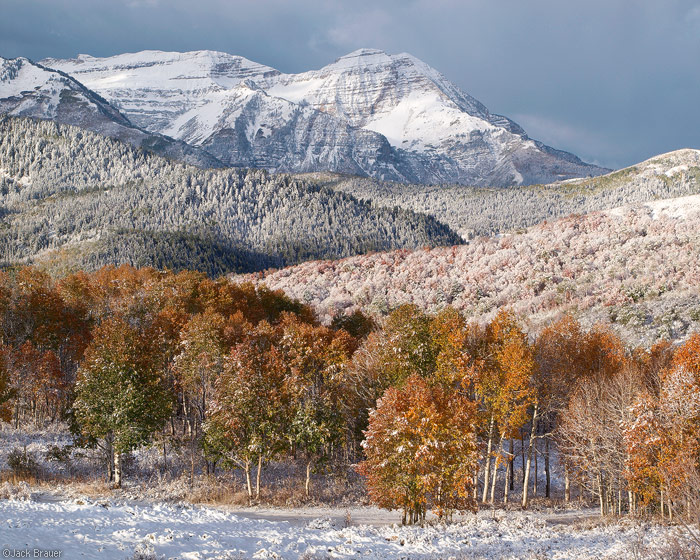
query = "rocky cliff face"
{"x": 391, "y": 117}
{"x": 32, "y": 90}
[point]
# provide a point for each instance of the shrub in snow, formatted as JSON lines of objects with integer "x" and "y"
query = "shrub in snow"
{"x": 145, "y": 552}
{"x": 59, "y": 454}
{"x": 10, "y": 491}
{"x": 22, "y": 463}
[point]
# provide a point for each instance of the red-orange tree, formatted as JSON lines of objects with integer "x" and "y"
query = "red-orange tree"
{"x": 663, "y": 439}
{"x": 421, "y": 450}
{"x": 500, "y": 371}
{"x": 590, "y": 432}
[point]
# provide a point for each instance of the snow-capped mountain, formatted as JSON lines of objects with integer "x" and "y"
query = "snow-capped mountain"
{"x": 28, "y": 89}
{"x": 370, "y": 113}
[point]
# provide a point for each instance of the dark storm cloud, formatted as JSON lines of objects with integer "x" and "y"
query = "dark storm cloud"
{"x": 614, "y": 81}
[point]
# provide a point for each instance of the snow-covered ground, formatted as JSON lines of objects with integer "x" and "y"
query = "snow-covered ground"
{"x": 84, "y": 528}
{"x": 147, "y": 516}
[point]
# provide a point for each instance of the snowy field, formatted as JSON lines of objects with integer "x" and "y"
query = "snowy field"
{"x": 85, "y": 528}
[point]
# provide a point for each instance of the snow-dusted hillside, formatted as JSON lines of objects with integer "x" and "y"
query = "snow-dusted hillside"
{"x": 636, "y": 267}
{"x": 387, "y": 116}
{"x": 32, "y": 90}
{"x": 71, "y": 198}
{"x": 474, "y": 211}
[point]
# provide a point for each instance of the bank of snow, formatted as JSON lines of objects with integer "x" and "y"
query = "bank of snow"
{"x": 86, "y": 529}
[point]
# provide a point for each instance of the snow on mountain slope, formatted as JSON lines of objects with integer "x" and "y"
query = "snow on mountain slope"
{"x": 212, "y": 100}
{"x": 476, "y": 211}
{"x": 154, "y": 88}
{"x": 372, "y": 89}
{"x": 244, "y": 126}
{"x": 32, "y": 90}
{"x": 668, "y": 164}
{"x": 391, "y": 117}
{"x": 674, "y": 208}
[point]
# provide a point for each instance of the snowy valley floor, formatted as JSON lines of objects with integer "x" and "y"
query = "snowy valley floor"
{"x": 90, "y": 528}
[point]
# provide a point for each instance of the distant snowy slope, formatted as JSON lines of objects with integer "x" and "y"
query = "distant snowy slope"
{"x": 391, "y": 117}
{"x": 474, "y": 211}
{"x": 637, "y": 267}
{"x": 154, "y": 88}
{"x": 674, "y": 207}
{"x": 215, "y": 101}
{"x": 32, "y": 90}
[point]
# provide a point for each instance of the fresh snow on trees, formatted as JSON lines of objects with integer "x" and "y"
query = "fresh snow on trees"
{"x": 437, "y": 412}
{"x": 474, "y": 212}
{"x": 121, "y": 394}
{"x": 636, "y": 268}
{"x": 72, "y": 199}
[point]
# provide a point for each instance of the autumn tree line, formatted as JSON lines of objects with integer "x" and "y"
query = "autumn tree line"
{"x": 437, "y": 413}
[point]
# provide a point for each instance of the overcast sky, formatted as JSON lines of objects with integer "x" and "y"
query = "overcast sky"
{"x": 613, "y": 81}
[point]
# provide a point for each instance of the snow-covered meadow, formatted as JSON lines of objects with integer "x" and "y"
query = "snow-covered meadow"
{"x": 85, "y": 528}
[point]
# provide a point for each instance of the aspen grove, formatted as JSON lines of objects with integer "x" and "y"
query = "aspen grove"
{"x": 436, "y": 412}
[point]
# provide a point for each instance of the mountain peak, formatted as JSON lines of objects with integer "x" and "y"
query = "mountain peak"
{"x": 389, "y": 108}
{"x": 363, "y": 52}
{"x": 369, "y": 57}
{"x": 360, "y": 58}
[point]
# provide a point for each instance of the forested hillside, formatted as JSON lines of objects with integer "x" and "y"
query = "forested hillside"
{"x": 74, "y": 199}
{"x": 637, "y": 267}
{"x": 473, "y": 211}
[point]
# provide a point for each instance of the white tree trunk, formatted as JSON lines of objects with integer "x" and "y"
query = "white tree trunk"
{"x": 494, "y": 477}
{"x": 487, "y": 465}
{"x": 531, "y": 444}
{"x": 246, "y": 468}
{"x": 547, "y": 472}
{"x": 308, "y": 478}
{"x": 117, "y": 469}
{"x": 509, "y": 475}
{"x": 257, "y": 479}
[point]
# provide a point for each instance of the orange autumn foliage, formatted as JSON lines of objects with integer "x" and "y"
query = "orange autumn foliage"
{"x": 421, "y": 450}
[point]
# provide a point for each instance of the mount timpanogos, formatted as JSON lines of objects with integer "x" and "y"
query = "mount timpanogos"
{"x": 390, "y": 117}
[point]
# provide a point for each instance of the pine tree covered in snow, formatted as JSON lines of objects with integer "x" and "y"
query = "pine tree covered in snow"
{"x": 73, "y": 199}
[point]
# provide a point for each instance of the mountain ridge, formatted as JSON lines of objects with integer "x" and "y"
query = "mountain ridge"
{"x": 29, "y": 89}
{"x": 484, "y": 211}
{"x": 391, "y": 117}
